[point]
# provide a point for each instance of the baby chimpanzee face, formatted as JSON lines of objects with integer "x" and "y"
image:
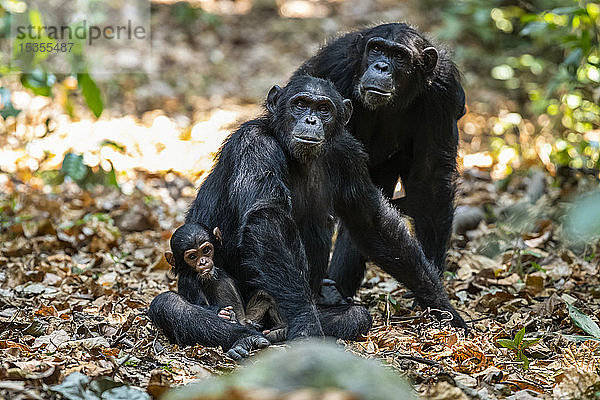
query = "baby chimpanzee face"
{"x": 201, "y": 259}
{"x": 193, "y": 246}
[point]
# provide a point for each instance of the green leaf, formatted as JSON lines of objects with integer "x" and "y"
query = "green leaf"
{"x": 574, "y": 58}
{"x": 52, "y": 177}
{"x": 519, "y": 336}
{"x": 6, "y": 107}
{"x": 529, "y": 342}
{"x": 583, "y": 221}
{"x": 73, "y": 386}
{"x": 91, "y": 93}
{"x": 531, "y": 253}
{"x": 509, "y": 344}
{"x": 533, "y": 28}
{"x": 538, "y": 267}
{"x": 100, "y": 177}
{"x": 392, "y": 300}
{"x": 525, "y": 361}
{"x": 580, "y": 338}
{"x": 73, "y": 167}
{"x": 113, "y": 144}
{"x": 39, "y": 82}
{"x": 77, "y": 386}
{"x": 583, "y": 322}
{"x": 566, "y": 10}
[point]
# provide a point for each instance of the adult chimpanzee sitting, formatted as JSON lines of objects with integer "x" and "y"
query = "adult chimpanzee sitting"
{"x": 407, "y": 100}
{"x": 277, "y": 180}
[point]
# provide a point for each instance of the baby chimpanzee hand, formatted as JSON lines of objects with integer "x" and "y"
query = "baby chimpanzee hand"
{"x": 228, "y": 314}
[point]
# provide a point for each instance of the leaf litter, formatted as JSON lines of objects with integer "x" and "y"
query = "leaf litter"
{"x": 78, "y": 270}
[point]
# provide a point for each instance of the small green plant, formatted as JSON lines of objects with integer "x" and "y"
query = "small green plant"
{"x": 518, "y": 345}
{"x": 132, "y": 363}
{"x": 168, "y": 366}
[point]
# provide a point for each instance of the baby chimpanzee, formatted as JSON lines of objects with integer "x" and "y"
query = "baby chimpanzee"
{"x": 194, "y": 251}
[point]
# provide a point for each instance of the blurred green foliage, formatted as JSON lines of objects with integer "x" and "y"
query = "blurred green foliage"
{"x": 40, "y": 81}
{"x": 74, "y": 168}
{"x": 546, "y": 55}
{"x": 185, "y": 15}
{"x": 582, "y": 224}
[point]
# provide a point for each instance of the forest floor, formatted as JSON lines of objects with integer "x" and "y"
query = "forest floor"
{"x": 78, "y": 268}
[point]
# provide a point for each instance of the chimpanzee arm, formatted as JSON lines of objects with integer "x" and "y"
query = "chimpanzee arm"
{"x": 187, "y": 324}
{"x": 429, "y": 200}
{"x": 271, "y": 252}
{"x": 382, "y": 235}
{"x": 431, "y": 185}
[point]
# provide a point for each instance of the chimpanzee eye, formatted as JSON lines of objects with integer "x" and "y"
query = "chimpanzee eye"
{"x": 401, "y": 54}
{"x": 300, "y": 104}
{"x": 192, "y": 256}
{"x": 206, "y": 251}
{"x": 323, "y": 109}
{"x": 376, "y": 48}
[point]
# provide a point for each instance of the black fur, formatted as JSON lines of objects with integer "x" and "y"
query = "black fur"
{"x": 200, "y": 299}
{"x": 273, "y": 206}
{"x": 410, "y": 133}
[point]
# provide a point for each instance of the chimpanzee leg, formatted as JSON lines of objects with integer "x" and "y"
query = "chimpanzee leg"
{"x": 262, "y": 309}
{"x": 347, "y": 267}
{"x": 345, "y": 321}
{"x": 187, "y": 324}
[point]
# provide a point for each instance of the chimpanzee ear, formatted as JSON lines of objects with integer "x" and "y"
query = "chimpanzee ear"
{"x": 430, "y": 57}
{"x": 217, "y": 233}
{"x": 170, "y": 258}
{"x": 348, "y": 108}
{"x": 272, "y": 98}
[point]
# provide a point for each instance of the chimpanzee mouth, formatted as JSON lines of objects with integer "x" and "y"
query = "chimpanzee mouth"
{"x": 377, "y": 91}
{"x": 206, "y": 274}
{"x": 308, "y": 140}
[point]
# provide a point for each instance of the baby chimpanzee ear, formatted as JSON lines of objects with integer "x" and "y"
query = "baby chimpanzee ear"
{"x": 170, "y": 258}
{"x": 348, "y": 108}
{"x": 217, "y": 233}
{"x": 272, "y": 98}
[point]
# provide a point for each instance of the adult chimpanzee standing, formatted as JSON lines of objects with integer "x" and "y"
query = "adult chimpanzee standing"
{"x": 407, "y": 98}
{"x": 276, "y": 183}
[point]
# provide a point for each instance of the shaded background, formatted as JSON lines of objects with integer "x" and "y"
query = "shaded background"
{"x": 530, "y": 72}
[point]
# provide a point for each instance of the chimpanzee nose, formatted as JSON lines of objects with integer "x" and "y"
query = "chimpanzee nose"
{"x": 311, "y": 120}
{"x": 382, "y": 67}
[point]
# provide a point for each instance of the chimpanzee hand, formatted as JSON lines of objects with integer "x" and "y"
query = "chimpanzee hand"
{"x": 252, "y": 324}
{"x": 276, "y": 335}
{"x": 228, "y": 314}
{"x": 244, "y": 346}
{"x": 444, "y": 311}
{"x": 450, "y": 313}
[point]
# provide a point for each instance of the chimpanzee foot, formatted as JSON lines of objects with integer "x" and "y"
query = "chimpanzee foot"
{"x": 228, "y": 314}
{"x": 244, "y": 346}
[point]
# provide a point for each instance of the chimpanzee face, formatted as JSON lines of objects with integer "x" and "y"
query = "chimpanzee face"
{"x": 194, "y": 247}
{"x": 392, "y": 71}
{"x": 201, "y": 259}
{"x": 312, "y": 113}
